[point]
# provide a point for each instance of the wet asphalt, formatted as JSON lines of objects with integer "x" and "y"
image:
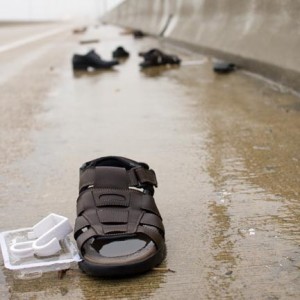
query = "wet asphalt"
{"x": 225, "y": 149}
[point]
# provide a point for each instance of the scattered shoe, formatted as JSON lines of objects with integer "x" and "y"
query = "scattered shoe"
{"x": 80, "y": 30}
{"x": 120, "y": 52}
{"x": 119, "y": 230}
{"x": 223, "y": 67}
{"x": 155, "y": 57}
{"x": 138, "y": 34}
{"x": 91, "y": 60}
{"x": 149, "y": 53}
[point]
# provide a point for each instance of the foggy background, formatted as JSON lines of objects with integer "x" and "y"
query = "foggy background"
{"x": 52, "y": 10}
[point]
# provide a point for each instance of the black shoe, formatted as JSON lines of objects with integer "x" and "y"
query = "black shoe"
{"x": 91, "y": 60}
{"x": 155, "y": 57}
{"x": 120, "y": 52}
{"x": 151, "y": 52}
{"x": 223, "y": 67}
{"x": 138, "y": 34}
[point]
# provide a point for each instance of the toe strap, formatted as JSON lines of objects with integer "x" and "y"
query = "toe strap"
{"x": 101, "y": 219}
{"x": 153, "y": 234}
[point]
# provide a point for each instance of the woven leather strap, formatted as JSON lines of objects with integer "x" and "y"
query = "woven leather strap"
{"x": 108, "y": 206}
{"x": 135, "y": 177}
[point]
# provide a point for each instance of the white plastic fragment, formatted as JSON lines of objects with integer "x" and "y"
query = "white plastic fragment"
{"x": 44, "y": 238}
{"x": 23, "y": 261}
{"x": 23, "y": 249}
{"x": 251, "y": 231}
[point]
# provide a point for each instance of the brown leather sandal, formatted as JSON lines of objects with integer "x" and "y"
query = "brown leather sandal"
{"x": 119, "y": 230}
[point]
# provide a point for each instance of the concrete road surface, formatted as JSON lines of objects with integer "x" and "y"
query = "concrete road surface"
{"x": 225, "y": 150}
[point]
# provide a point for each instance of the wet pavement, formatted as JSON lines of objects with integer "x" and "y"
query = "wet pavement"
{"x": 225, "y": 150}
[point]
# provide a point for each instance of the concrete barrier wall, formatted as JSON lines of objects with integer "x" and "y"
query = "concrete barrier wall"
{"x": 260, "y": 35}
{"x": 148, "y": 16}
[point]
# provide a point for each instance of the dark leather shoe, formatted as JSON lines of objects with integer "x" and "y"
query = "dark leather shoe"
{"x": 138, "y": 34}
{"x": 150, "y": 53}
{"x": 223, "y": 67}
{"x": 91, "y": 60}
{"x": 155, "y": 57}
{"x": 120, "y": 52}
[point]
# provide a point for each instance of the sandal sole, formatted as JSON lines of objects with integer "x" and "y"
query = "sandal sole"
{"x": 123, "y": 270}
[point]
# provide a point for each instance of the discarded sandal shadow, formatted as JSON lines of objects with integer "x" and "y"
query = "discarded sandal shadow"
{"x": 158, "y": 70}
{"x": 119, "y": 230}
{"x": 92, "y": 72}
{"x": 91, "y": 60}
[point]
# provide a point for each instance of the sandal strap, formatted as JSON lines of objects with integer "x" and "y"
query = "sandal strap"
{"x": 139, "y": 176}
{"x": 146, "y": 219}
{"x": 112, "y": 177}
{"x": 91, "y": 198}
{"x": 118, "y": 161}
{"x": 153, "y": 234}
{"x": 100, "y": 215}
